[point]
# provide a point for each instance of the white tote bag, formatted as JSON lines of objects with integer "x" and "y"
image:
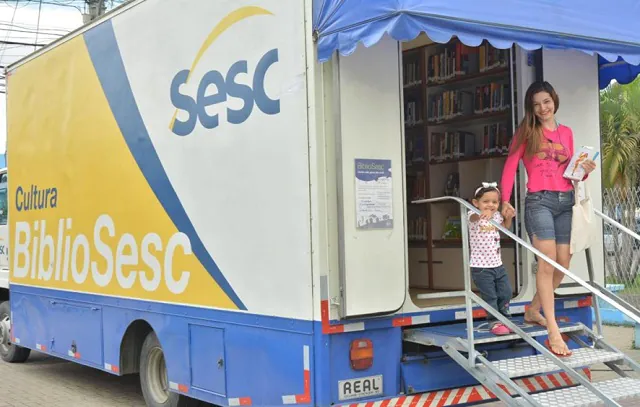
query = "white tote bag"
{"x": 582, "y": 221}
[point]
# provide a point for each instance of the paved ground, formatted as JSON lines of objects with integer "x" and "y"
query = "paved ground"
{"x": 621, "y": 338}
{"x": 49, "y": 382}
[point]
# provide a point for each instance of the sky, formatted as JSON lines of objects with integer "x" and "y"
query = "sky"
{"x": 19, "y": 21}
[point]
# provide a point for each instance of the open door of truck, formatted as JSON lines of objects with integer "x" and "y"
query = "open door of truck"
{"x": 371, "y": 235}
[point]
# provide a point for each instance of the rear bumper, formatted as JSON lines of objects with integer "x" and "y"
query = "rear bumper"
{"x": 475, "y": 394}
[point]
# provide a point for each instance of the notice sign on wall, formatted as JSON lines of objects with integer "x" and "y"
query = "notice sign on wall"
{"x": 374, "y": 194}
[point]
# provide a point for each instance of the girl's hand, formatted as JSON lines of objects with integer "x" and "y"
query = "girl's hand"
{"x": 508, "y": 211}
{"x": 486, "y": 215}
{"x": 589, "y": 166}
{"x": 510, "y": 214}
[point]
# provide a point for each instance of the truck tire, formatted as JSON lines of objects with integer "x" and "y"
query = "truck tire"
{"x": 9, "y": 352}
{"x": 154, "y": 378}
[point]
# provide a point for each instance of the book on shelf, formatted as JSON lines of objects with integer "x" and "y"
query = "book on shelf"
{"x": 418, "y": 150}
{"x": 492, "y": 97}
{"x": 495, "y": 139}
{"x": 418, "y": 229}
{"x": 456, "y": 59}
{"x": 452, "y": 228}
{"x": 413, "y": 113}
{"x": 408, "y": 150}
{"x": 458, "y": 144}
{"x": 488, "y": 98}
{"x": 450, "y": 104}
{"x": 492, "y": 58}
{"x": 452, "y": 145}
{"x": 411, "y": 74}
{"x": 414, "y": 149}
{"x": 419, "y": 187}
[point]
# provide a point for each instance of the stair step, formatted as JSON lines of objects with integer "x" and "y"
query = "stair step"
{"x": 439, "y": 335}
{"x": 535, "y": 364}
{"x": 617, "y": 389}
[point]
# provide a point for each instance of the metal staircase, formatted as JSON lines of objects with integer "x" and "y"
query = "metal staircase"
{"x": 459, "y": 341}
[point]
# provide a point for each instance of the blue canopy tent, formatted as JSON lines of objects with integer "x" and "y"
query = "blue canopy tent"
{"x": 619, "y": 70}
{"x": 591, "y": 26}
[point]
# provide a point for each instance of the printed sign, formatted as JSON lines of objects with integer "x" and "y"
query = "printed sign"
{"x": 374, "y": 194}
{"x": 361, "y": 387}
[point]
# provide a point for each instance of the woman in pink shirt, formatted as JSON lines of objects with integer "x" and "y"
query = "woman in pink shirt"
{"x": 545, "y": 148}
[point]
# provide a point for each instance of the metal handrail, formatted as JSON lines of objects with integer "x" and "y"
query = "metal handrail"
{"x": 621, "y": 300}
{"x": 596, "y": 306}
{"x": 470, "y": 297}
{"x": 618, "y": 225}
{"x": 529, "y": 247}
{"x": 544, "y": 351}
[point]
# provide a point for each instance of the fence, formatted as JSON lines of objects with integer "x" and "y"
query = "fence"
{"x": 622, "y": 252}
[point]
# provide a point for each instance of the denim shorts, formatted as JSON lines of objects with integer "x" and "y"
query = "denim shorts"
{"x": 547, "y": 215}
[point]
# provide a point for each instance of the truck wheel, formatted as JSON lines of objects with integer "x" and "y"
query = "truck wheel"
{"x": 154, "y": 379}
{"x": 8, "y": 351}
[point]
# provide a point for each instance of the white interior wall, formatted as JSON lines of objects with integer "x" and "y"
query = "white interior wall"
{"x": 574, "y": 75}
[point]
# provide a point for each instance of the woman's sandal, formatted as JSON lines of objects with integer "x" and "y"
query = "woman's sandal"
{"x": 532, "y": 322}
{"x": 526, "y": 321}
{"x": 565, "y": 339}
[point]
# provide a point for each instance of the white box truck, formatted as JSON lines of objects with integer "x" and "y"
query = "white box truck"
{"x": 206, "y": 194}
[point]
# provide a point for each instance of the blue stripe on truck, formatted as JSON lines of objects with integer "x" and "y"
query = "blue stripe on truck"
{"x": 105, "y": 54}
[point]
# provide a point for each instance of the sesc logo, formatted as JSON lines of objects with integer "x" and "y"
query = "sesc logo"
{"x": 226, "y": 84}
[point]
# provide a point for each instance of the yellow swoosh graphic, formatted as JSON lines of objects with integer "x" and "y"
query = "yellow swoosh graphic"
{"x": 229, "y": 20}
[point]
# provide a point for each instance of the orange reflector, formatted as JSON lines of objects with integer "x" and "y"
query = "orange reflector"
{"x": 585, "y": 302}
{"x": 361, "y": 354}
{"x": 479, "y": 313}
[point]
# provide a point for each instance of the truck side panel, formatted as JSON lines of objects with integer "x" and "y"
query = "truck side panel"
{"x": 124, "y": 206}
{"x": 263, "y": 358}
{"x": 4, "y": 237}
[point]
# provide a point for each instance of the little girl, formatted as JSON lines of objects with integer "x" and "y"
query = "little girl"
{"x": 487, "y": 270}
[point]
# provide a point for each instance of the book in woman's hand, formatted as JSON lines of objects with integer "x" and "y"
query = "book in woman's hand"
{"x": 574, "y": 170}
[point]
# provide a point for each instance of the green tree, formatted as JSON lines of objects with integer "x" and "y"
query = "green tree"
{"x": 620, "y": 138}
{"x": 620, "y": 132}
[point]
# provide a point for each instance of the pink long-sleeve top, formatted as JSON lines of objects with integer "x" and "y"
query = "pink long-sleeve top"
{"x": 545, "y": 168}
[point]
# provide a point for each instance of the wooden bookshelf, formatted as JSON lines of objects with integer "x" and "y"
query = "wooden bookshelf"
{"x": 416, "y": 243}
{"x": 465, "y": 159}
{"x": 470, "y": 118}
{"x": 470, "y": 103}
{"x": 455, "y": 243}
{"x": 500, "y": 71}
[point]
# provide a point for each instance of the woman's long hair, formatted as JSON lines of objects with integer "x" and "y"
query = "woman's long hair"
{"x": 530, "y": 129}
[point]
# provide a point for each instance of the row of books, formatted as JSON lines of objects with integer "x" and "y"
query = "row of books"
{"x": 418, "y": 189}
{"x": 492, "y": 97}
{"x": 414, "y": 148}
{"x": 496, "y": 139}
{"x": 453, "y": 145}
{"x": 450, "y": 104}
{"x": 457, "y": 59}
{"x": 411, "y": 75}
{"x": 412, "y": 113}
{"x": 418, "y": 228}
